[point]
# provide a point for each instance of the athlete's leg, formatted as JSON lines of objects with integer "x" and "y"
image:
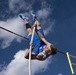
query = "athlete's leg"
{"x": 28, "y": 27}
{"x": 29, "y": 30}
{"x": 33, "y": 56}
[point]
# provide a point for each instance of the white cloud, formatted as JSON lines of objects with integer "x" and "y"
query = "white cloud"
{"x": 46, "y": 23}
{"x": 45, "y": 10}
{"x": 44, "y": 14}
{"x": 17, "y": 5}
{"x": 60, "y": 74}
{"x": 49, "y": 26}
{"x": 20, "y": 66}
{"x": 15, "y": 25}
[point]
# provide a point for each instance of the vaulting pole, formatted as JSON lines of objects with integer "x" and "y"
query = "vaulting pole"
{"x": 30, "y": 70}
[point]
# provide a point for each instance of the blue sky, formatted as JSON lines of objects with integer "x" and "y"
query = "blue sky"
{"x": 58, "y": 19}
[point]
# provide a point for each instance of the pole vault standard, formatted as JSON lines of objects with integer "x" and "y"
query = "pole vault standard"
{"x": 69, "y": 60}
{"x": 14, "y": 33}
{"x": 70, "y": 63}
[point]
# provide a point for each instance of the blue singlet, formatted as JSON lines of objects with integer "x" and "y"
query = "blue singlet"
{"x": 38, "y": 43}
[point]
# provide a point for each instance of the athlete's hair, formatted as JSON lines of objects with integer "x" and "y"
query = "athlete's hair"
{"x": 54, "y": 50}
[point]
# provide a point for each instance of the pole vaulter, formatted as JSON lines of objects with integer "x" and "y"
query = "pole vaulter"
{"x": 43, "y": 48}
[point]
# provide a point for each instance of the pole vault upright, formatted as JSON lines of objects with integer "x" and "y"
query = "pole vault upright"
{"x": 70, "y": 63}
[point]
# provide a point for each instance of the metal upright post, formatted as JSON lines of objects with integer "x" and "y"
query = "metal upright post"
{"x": 70, "y": 63}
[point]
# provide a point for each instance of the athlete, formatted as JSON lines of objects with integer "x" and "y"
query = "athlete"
{"x": 41, "y": 48}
